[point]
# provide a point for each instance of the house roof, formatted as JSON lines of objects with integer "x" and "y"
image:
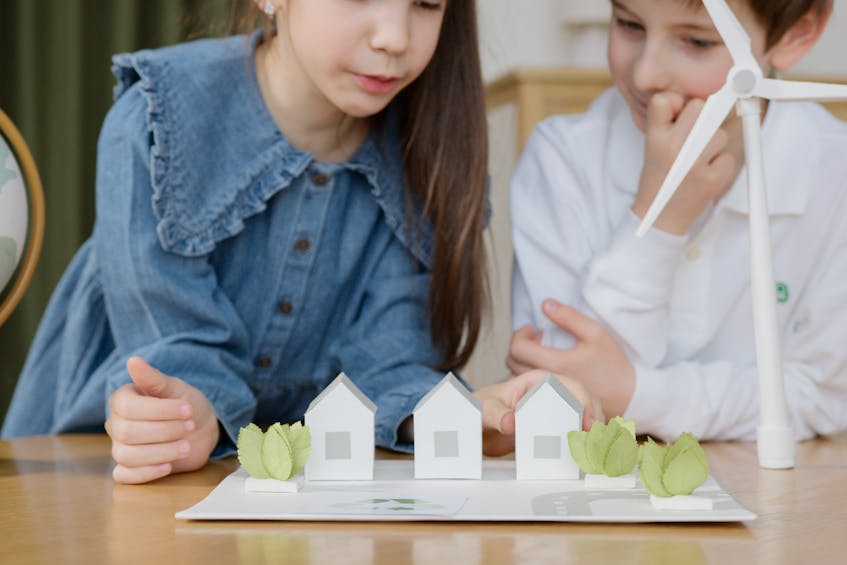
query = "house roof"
{"x": 557, "y": 386}
{"x": 449, "y": 380}
{"x": 342, "y": 379}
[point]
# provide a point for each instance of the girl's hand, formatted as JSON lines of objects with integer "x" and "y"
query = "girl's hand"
{"x": 498, "y": 409}
{"x": 158, "y": 425}
{"x": 597, "y": 361}
{"x": 669, "y": 121}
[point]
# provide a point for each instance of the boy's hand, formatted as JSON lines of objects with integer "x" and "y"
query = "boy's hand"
{"x": 498, "y": 409}
{"x": 597, "y": 361}
{"x": 158, "y": 425}
{"x": 525, "y": 333}
{"x": 669, "y": 121}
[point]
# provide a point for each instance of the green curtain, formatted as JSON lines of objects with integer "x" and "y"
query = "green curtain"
{"x": 56, "y": 85}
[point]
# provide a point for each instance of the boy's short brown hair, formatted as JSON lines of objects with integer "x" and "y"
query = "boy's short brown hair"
{"x": 779, "y": 15}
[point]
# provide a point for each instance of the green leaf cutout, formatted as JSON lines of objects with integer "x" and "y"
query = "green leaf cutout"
{"x": 250, "y": 451}
{"x": 277, "y": 454}
{"x": 595, "y": 448}
{"x": 280, "y": 453}
{"x": 685, "y": 466}
{"x": 628, "y": 425}
{"x": 576, "y": 443}
{"x": 301, "y": 446}
{"x": 622, "y": 454}
{"x": 651, "y": 461}
{"x": 676, "y": 469}
{"x": 605, "y": 449}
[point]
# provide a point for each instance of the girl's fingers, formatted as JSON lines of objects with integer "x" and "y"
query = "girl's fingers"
{"x": 498, "y": 416}
{"x": 128, "y": 403}
{"x": 138, "y": 475}
{"x": 139, "y": 432}
{"x": 153, "y": 382}
{"x": 150, "y": 454}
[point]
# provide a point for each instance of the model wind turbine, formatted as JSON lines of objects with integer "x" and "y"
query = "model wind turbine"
{"x": 744, "y": 87}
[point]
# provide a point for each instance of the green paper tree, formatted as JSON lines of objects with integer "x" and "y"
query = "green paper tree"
{"x": 607, "y": 449}
{"x": 280, "y": 453}
{"x": 672, "y": 470}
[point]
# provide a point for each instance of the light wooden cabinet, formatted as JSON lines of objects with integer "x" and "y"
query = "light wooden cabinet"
{"x": 539, "y": 93}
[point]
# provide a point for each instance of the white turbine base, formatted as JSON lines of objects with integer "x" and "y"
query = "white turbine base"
{"x": 775, "y": 447}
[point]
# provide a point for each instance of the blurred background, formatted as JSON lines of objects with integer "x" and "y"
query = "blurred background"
{"x": 540, "y": 57}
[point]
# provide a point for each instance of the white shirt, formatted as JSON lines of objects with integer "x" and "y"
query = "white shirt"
{"x": 681, "y": 305}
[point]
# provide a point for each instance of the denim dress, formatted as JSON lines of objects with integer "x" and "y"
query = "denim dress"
{"x": 230, "y": 259}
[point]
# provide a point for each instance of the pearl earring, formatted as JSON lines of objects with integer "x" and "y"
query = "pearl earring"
{"x": 269, "y": 9}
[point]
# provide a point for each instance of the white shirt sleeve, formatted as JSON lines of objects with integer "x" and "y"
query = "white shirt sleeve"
{"x": 550, "y": 232}
{"x": 629, "y": 286}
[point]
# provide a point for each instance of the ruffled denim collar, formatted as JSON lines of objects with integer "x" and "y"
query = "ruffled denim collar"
{"x": 217, "y": 156}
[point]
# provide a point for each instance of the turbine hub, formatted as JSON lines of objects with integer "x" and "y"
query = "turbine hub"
{"x": 744, "y": 82}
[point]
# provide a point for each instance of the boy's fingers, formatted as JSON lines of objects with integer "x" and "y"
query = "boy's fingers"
{"x": 548, "y": 359}
{"x": 715, "y": 147}
{"x": 723, "y": 167}
{"x": 689, "y": 114}
{"x": 516, "y": 367}
{"x": 153, "y": 382}
{"x": 129, "y": 404}
{"x": 572, "y": 320}
{"x": 526, "y": 354}
{"x": 662, "y": 109}
{"x": 525, "y": 334}
{"x": 138, "y": 475}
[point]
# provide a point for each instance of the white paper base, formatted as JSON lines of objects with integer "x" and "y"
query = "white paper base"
{"x": 681, "y": 502}
{"x": 293, "y": 484}
{"x": 605, "y": 482}
{"x": 394, "y": 495}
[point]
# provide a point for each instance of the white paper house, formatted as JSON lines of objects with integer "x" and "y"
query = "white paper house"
{"x": 543, "y": 418}
{"x": 448, "y": 433}
{"x": 341, "y": 420}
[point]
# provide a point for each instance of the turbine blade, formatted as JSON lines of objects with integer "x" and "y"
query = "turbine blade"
{"x": 774, "y": 89}
{"x": 711, "y": 118}
{"x": 733, "y": 33}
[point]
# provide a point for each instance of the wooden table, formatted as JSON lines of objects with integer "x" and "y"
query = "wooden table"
{"x": 59, "y": 505}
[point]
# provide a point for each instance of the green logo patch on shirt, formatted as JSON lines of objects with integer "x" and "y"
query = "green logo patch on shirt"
{"x": 782, "y": 293}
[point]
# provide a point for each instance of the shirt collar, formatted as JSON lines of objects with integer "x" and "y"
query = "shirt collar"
{"x": 787, "y": 164}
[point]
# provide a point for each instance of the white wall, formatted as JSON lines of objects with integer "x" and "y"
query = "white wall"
{"x": 828, "y": 56}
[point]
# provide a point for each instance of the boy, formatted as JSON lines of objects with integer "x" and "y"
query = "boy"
{"x": 669, "y": 339}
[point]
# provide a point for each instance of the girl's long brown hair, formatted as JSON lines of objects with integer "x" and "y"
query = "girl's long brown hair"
{"x": 445, "y": 142}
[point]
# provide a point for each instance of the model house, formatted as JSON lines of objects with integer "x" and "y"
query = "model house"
{"x": 543, "y": 418}
{"x": 448, "y": 433}
{"x": 341, "y": 419}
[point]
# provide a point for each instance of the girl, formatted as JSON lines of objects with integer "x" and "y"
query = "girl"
{"x": 271, "y": 210}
